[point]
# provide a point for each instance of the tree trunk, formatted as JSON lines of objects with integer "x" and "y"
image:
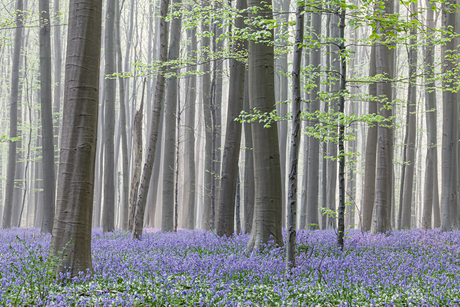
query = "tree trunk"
{"x": 57, "y": 78}
{"x": 410, "y": 129}
{"x": 314, "y": 143}
{"x": 14, "y": 97}
{"x": 248, "y": 184}
{"x": 384, "y": 66}
{"x": 124, "y": 137}
{"x": 226, "y": 214}
{"x": 137, "y": 167}
{"x": 371, "y": 151}
{"x": 449, "y": 120}
{"x": 71, "y": 238}
{"x": 295, "y": 143}
{"x": 47, "y": 118}
{"x": 267, "y": 174}
{"x": 167, "y": 219}
{"x": 108, "y": 216}
{"x": 158, "y": 100}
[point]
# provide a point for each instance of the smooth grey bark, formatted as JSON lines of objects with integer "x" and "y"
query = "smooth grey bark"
{"x": 57, "y": 78}
{"x": 167, "y": 218}
{"x": 384, "y": 175}
{"x": 71, "y": 239}
{"x": 430, "y": 199}
{"x": 14, "y": 97}
{"x": 137, "y": 167}
{"x": 206, "y": 97}
{"x": 267, "y": 173}
{"x": 226, "y": 213}
{"x": 410, "y": 128}
{"x": 47, "y": 118}
{"x": 238, "y": 205}
{"x": 449, "y": 120}
{"x": 190, "y": 105}
{"x": 295, "y": 144}
{"x": 248, "y": 184}
{"x": 124, "y": 138}
{"x": 108, "y": 213}
{"x": 331, "y": 147}
{"x": 156, "y": 111}
{"x": 371, "y": 151}
{"x": 314, "y": 143}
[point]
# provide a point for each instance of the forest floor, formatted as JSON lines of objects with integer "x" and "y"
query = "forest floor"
{"x": 197, "y": 268}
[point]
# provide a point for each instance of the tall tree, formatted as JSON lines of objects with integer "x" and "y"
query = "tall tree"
{"x": 167, "y": 220}
{"x": 57, "y": 75}
{"x": 71, "y": 238}
{"x": 313, "y": 161}
{"x": 449, "y": 118}
{"x": 384, "y": 56}
{"x": 226, "y": 214}
{"x": 248, "y": 186}
{"x": 47, "y": 117}
{"x": 295, "y": 142}
{"x": 371, "y": 151}
{"x": 14, "y": 97}
{"x": 411, "y": 120}
{"x": 108, "y": 214}
{"x": 267, "y": 173}
{"x": 156, "y": 112}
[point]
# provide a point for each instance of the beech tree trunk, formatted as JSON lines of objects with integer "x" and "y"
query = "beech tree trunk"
{"x": 158, "y": 101}
{"x": 14, "y": 97}
{"x": 384, "y": 66}
{"x": 295, "y": 143}
{"x": 47, "y": 117}
{"x": 226, "y": 214}
{"x": 167, "y": 219}
{"x": 267, "y": 173}
{"x": 248, "y": 184}
{"x": 71, "y": 238}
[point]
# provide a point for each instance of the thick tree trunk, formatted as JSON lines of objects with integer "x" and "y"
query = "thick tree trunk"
{"x": 384, "y": 66}
{"x": 267, "y": 174}
{"x": 449, "y": 120}
{"x": 14, "y": 97}
{"x": 71, "y": 238}
{"x": 167, "y": 219}
{"x": 226, "y": 214}
{"x": 295, "y": 144}
{"x": 158, "y": 101}
{"x": 108, "y": 214}
{"x": 47, "y": 118}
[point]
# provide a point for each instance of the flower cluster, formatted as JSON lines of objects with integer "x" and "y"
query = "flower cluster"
{"x": 197, "y": 268}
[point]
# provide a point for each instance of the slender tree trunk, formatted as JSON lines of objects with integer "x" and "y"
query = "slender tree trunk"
{"x": 267, "y": 172}
{"x": 137, "y": 167}
{"x": 248, "y": 184}
{"x": 57, "y": 78}
{"x": 410, "y": 129}
{"x": 295, "y": 143}
{"x": 124, "y": 137}
{"x": 78, "y": 146}
{"x": 167, "y": 220}
{"x": 108, "y": 216}
{"x": 158, "y": 100}
{"x": 226, "y": 214}
{"x": 314, "y": 143}
{"x": 371, "y": 151}
{"x": 206, "y": 92}
{"x": 47, "y": 117}
{"x": 14, "y": 97}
